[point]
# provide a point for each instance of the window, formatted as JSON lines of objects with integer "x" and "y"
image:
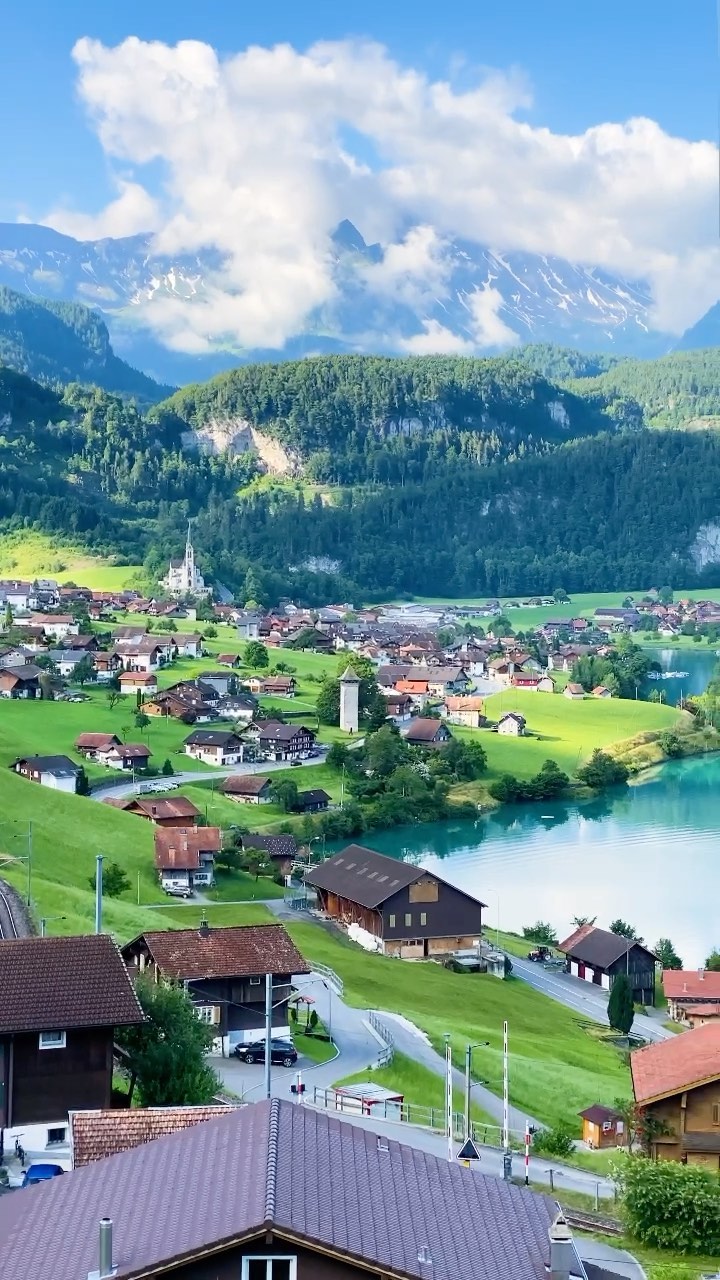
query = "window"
{"x": 209, "y": 1013}
{"x": 255, "y": 982}
{"x": 56, "y": 1135}
{"x": 423, "y": 917}
{"x": 716, "y": 1113}
{"x": 391, "y": 922}
{"x": 52, "y": 1039}
{"x": 408, "y": 919}
{"x": 278, "y": 1268}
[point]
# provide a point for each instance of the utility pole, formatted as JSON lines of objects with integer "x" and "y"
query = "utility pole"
{"x": 468, "y": 1056}
{"x": 98, "y": 892}
{"x": 449, "y": 1097}
{"x": 507, "y": 1157}
{"x": 29, "y": 860}
{"x": 268, "y": 1033}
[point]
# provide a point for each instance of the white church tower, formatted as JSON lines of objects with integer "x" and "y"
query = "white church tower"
{"x": 183, "y": 578}
{"x": 349, "y": 700}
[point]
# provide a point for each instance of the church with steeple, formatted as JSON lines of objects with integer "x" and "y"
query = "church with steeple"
{"x": 183, "y": 577}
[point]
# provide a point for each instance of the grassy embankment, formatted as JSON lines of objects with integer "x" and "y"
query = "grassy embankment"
{"x": 28, "y": 555}
{"x": 420, "y": 1087}
{"x": 558, "y": 1062}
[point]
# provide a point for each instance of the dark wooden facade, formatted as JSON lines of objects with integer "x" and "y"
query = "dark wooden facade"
{"x": 38, "y": 1085}
{"x": 309, "y": 1263}
{"x": 427, "y": 917}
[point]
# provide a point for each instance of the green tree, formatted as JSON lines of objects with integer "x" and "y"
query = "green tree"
{"x": 141, "y": 720}
{"x": 211, "y": 631}
{"x": 114, "y": 880}
{"x": 8, "y": 617}
{"x": 384, "y": 751}
{"x": 713, "y": 961}
{"x": 667, "y": 955}
{"x": 255, "y": 656}
{"x": 167, "y": 769}
{"x": 377, "y": 713}
{"x": 621, "y": 1009}
{"x": 337, "y": 756}
{"x": 670, "y": 744}
{"x": 284, "y": 793}
{"x": 540, "y": 932}
{"x": 625, "y": 930}
{"x": 670, "y": 1206}
{"x": 166, "y": 1054}
{"x": 580, "y": 921}
{"x": 561, "y": 595}
{"x": 113, "y": 697}
{"x": 327, "y": 703}
{"x": 602, "y": 771}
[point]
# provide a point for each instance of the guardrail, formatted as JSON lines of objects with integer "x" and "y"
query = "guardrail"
{"x": 387, "y": 1054}
{"x": 405, "y": 1113}
{"x": 330, "y": 976}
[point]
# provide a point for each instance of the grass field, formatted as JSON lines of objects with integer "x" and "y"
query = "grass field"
{"x": 564, "y": 730}
{"x": 558, "y": 1063}
{"x": 419, "y": 1086}
{"x": 29, "y": 555}
{"x": 583, "y": 604}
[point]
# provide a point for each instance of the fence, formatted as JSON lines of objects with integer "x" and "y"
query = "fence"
{"x": 387, "y": 1054}
{"x": 330, "y": 976}
{"x": 406, "y": 1113}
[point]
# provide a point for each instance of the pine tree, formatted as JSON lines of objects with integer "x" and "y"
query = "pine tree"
{"x": 621, "y": 1008}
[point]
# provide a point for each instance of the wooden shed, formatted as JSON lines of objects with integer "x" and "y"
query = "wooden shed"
{"x": 602, "y": 1127}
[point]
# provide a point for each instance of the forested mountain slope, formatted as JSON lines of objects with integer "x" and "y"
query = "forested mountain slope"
{"x": 61, "y": 342}
{"x": 354, "y": 419}
{"x": 675, "y": 389}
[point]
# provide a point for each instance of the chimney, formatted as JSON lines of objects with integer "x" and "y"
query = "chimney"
{"x": 701, "y": 974}
{"x": 424, "y": 1257}
{"x": 105, "y": 1250}
{"x": 204, "y": 929}
{"x": 562, "y": 1250}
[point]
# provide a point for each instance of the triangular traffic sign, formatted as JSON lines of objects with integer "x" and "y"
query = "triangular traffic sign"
{"x": 468, "y": 1151}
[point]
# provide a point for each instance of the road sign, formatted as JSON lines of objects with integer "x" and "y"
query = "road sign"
{"x": 468, "y": 1152}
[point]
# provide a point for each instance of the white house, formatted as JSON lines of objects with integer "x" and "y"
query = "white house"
{"x": 189, "y": 644}
{"x": 66, "y": 660}
{"x": 144, "y": 682}
{"x": 57, "y": 772}
{"x": 512, "y": 723}
{"x": 57, "y": 625}
{"x": 214, "y": 746}
{"x": 574, "y": 692}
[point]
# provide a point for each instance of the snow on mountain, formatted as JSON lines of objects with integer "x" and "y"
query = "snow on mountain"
{"x": 487, "y": 300}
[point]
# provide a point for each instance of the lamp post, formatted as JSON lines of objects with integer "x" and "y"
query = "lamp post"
{"x": 480, "y": 1044}
{"x": 45, "y": 920}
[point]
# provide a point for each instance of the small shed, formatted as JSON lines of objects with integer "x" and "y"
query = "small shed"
{"x": 602, "y": 1127}
{"x": 369, "y": 1099}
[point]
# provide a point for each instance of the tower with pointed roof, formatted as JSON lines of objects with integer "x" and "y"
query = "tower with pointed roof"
{"x": 349, "y": 700}
{"x": 183, "y": 577}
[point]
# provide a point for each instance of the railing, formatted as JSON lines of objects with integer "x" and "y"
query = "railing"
{"x": 406, "y": 1113}
{"x": 387, "y": 1054}
{"x": 330, "y": 976}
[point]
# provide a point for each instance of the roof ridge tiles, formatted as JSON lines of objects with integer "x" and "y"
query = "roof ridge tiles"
{"x": 272, "y": 1162}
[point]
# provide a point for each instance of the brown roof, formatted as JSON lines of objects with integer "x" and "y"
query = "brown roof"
{"x": 673, "y": 1065}
{"x": 689, "y": 984}
{"x": 598, "y": 1114}
{"x": 273, "y": 846}
{"x": 95, "y": 740}
{"x": 465, "y": 704}
{"x": 157, "y": 810}
{"x": 301, "y": 1174}
{"x": 179, "y": 848}
{"x": 424, "y": 729}
{"x": 138, "y": 677}
{"x": 131, "y": 750}
{"x": 708, "y": 1010}
{"x": 599, "y": 947}
{"x": 574, "y": 688}
{"x": 250, "y": 784}
{"x": 366, "y": 877}
{"x": 235, "y": 951}
{"x": 97, "y": 1134}
{"x": 51, "y": 984}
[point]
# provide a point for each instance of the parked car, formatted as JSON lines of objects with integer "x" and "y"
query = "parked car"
{"x": 295, "y": 763}
{"x": 282, "y": 1052}
{"x": 41, "y": 1173}
{"x": 179, "y": 890}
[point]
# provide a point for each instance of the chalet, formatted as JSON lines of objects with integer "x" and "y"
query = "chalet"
{"x": 20, "y": 682}
{"x": 248, "y": 624}
{"x": 416, "y": 691}
{"x": 410, "y": 912}
{"x": 248, "y": 788}
{"x": 228, "y": 660}
{"x": 220, "y": 681}
{"x": 280, "y": 850}
{"x": 599, "y": 956}
{"x": 107, "y": 664}
{"x": 426, "y": 732}
{"x": 314, "y": 801}
{"x": 500, "y": 669}
{"x": 88, "y": 744}
{"x": 530, "y": 683}
{"x": 574, "y": 692}
{"x": 285, "y": 741}
{"x": 214, "y": 746}
{"x": 15, "y": 593}
{"x": 237, "y": 706}
{"x": 602, "y": 1127}
{"x": 173, "y": 705}
{"x": 677, "y": 1084}
{"x": 140, "y": 657}
{"x": 144, "y": 682}
{"x": 467, "y": 711}
{"x": 691, "y": 989}
{"x": 126, "y": 755}
{"x": 399, "y": 705}
{"x": 57, "y": 625}
{"x": 57, "y": 772}
{"x": 66, "y": 660}
{"x": 279, "y": 687}
{"x": 60, "y": 1002}
{"x": 302, "y": 1174}
{"x": 129, "y": 634}
{"x": 170, "y": 811}
{"x": 601, "y": 691}
{"x": 443, "y": 680}
{"x": 14, "y": 656}
{"x": 185, "y": 856}
{"x": 189, "y": 644}
{"x": 512, "y": 724}
{"x": 223, "y": 971}
{"x": 89, "y": 643}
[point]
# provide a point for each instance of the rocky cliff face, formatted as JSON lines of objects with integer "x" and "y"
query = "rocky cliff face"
{"x": 238, "y": 435}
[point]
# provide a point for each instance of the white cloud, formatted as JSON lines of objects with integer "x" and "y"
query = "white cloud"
{"x": 132, "y": 212}
{"x": 488, "y": 328}
{"x": 258, "y": 157}
{"x": 436, "y": 340}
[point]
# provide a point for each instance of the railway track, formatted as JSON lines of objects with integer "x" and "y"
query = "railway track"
{"x": 8, "y": 927}
{"x": 598, "y": 1222}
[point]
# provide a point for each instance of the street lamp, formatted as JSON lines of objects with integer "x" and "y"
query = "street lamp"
{"x": 45, "y": 920}
{"x": 480, "y": 1044}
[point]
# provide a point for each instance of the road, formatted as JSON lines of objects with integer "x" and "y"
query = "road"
{"x": 121, "y": 787}
{"x": 582, "y": 997}
{"x": 12, "y": 920}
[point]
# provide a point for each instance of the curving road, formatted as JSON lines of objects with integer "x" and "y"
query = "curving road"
{"x": 124, "y": 786}
{"x": 582, "y": 997}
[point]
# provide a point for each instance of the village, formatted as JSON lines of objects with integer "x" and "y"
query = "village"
{"x": 187, "y": 729}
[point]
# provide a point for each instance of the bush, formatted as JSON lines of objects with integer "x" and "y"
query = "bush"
{"x": 554, "y": 1142}
{"x": 669, "y": 1205}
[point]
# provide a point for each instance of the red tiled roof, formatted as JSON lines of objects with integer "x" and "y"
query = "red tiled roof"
{"x": 709, "y": 1010}
{"x": 688, "y": 984}
{"x": 179, "y": 848}
{"x": 673, "y": 1065}
{"x": 250, "y": 784}
{"x": 49, "y": 984}
{"x": 235, "y": 951}
{"x": 97, "y": 1134}
{"x": 95, "y": 740}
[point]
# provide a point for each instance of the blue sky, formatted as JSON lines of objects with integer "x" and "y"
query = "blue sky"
{"x": 587, "y": 62}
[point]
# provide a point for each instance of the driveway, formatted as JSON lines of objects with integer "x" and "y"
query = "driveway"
{"x": 582, "y": 997}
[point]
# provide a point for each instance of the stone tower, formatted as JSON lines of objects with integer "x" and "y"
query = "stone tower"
{"x": 349, "y": 699}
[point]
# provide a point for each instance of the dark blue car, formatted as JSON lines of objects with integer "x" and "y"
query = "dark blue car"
{"x": 41, "y": 1173}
